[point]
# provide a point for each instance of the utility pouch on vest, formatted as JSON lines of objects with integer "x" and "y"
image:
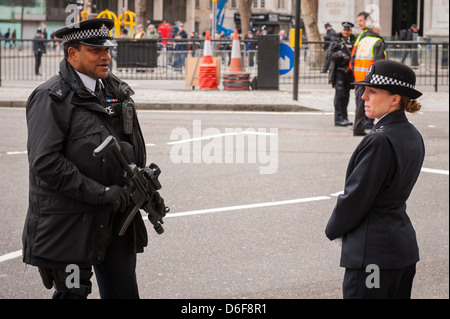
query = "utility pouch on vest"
{"x": 46, "y": 276}
{"x": 57, "y": 277}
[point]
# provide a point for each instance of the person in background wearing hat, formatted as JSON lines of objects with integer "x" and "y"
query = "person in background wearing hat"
{"x": 152, "y": 33}
{"x": 340, "y": 76}
{"x": 76, "y": 200}
{"x": 140, "y": 32}
{"x": 38, "y": 49}
{"x": 330, "y": 33}
{"x": 369, "y": 47}
{"x": 369, "y": 219}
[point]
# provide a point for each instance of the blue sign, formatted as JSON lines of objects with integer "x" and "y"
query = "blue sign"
{"x": 287, "y": 55}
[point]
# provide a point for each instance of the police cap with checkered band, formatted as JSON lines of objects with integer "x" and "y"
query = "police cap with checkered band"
{"x": 392, "y": 76}
{"x": 93, "y": 32}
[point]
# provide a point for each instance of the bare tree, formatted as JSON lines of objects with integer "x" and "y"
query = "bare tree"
{"x": 309, "y": 16}
{"x": 141, "y": 12}
{"x": 245, "y": 9}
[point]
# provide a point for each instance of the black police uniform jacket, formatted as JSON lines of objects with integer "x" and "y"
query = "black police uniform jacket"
{"x": 339, "y": 53}
{"x": 65, "y": 222}
{"x": 371, "y": 214}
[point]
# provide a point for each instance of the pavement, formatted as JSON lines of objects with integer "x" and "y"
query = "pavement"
{"x": 173, "y": 95}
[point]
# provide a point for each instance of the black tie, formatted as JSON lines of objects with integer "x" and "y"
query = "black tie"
{"x": 98, "y": 91}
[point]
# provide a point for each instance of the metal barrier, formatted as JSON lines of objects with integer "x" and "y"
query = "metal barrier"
{"x": 163, "y": 59}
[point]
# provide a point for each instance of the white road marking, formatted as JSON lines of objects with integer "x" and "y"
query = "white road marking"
{"x": 248, "y": 206}
{"x": 16, "y": 153}
{"x": 435, "y": 171}
{"x": 12, "y": 255}
{"x": 18, "y": 253}
{"x": 218, "y": 135}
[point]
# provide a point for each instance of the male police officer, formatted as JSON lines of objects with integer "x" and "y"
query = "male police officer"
{"x": 75, "y": 199}
{"x": 340, "y": 76}
{"x": 368, "y": 48}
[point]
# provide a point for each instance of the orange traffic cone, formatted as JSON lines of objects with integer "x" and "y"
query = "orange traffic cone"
{"x": 207, "y": 78}
{"x": 236, "y": 79}
{"x": 235, "y": 62}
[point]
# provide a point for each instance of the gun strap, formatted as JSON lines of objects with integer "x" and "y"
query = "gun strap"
{"x": 126, "y": 220}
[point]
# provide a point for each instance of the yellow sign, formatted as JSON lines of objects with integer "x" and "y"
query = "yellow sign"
{"x": 127, "y": 19}
{"x": 83, "y": 15}
{"x": 292, "y": 37}
{"x": 111, "y": 15}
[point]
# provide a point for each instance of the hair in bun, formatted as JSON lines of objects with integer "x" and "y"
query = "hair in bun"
{"x": 411, "y": 106}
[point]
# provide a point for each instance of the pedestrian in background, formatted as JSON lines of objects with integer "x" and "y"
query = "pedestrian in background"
{"x": 282, "y": 36}
{"x": 340, "y": 75}
{"x": 410, "y": 35}
{"x": 123, "y": 34}
{"x": 369, "y": 47}
{"x": 76, "y": 201}
{"x": 7, "y": 37}
{"x": 369, "y": 219}
{"x": 140, "y": 32}
{"x": 152, "y": 33}
{"x": 251, "y": 47}
{"x": 38, "y": 50}
{"x": 180, "y": 48}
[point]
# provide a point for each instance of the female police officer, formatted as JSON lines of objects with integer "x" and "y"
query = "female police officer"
{"x": 74, "y": 198}
{"x": 370, "y": 216}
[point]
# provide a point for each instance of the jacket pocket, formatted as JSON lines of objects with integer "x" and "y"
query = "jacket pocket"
{"x": 64, "y": 237}
{"x": 84, "y": 123}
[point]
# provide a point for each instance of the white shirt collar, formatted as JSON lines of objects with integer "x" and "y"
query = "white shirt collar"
{"x": 88, "y": 82}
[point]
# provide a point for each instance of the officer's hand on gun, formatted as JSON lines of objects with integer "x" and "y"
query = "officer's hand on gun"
{"x": 117, "y": 197}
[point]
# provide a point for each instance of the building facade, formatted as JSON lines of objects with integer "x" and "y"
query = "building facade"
{"x": 432, "y": 16}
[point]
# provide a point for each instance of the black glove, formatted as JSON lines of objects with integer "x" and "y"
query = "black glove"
{"x": 159, "y": 205}
{"x": 117, "y": 197}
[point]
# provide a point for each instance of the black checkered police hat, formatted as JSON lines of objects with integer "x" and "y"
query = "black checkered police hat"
{"x": 94, "y": 32}
{"x": 392, "y": 76}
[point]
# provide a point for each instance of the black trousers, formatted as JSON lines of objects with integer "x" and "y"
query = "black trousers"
{"x": 342, "y": 95}
{"x": 393, "y": 284}
{"x": 116, "y": 274}
{"x": 37, "y": 60}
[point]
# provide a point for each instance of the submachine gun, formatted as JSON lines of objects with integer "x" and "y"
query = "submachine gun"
{"x": 143, "y": 186}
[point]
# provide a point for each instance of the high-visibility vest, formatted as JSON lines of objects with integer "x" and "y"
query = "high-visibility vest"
{"x": 364, "y": 57}
{"x": 355, "y": 46}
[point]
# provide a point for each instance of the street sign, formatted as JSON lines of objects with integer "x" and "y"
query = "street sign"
{"x": 287, "y": 58}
